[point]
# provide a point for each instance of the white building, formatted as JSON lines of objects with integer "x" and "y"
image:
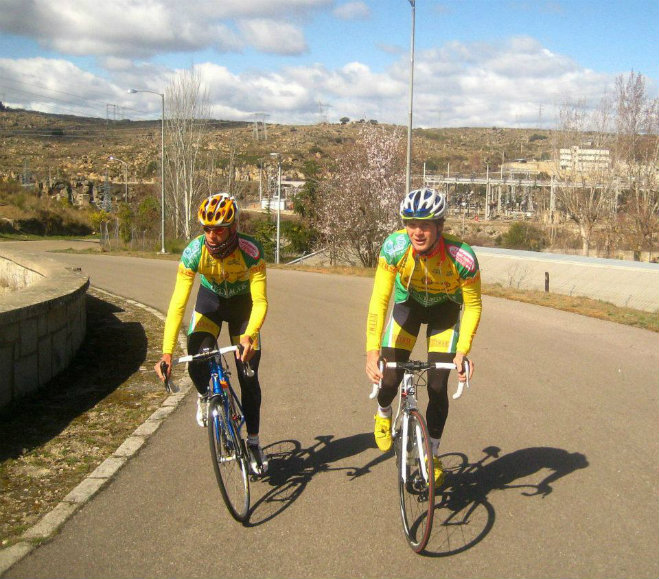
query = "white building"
{"x": 584, "y": 160}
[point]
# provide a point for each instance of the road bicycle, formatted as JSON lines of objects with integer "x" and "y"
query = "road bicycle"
{"x": 225, "y": 420}
{"x": 411, "y": 441}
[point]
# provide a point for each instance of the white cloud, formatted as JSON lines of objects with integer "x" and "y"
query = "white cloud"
{"x": 144, "y": 29}
{"x": 456, "y": 84}
{"x": 273, "y": 36}
{"x": 352, "y": 11}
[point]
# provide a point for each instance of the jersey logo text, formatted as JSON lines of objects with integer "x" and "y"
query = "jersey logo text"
{"x": 464, "y": 258}
{"x": 249, "y": 248}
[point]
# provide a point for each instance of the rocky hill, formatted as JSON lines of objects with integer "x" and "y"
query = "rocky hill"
{"x": 40, "y": 147}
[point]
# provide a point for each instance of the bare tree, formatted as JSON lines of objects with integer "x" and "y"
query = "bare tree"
{"x": 187, "y": 118}
{"x": 585, "y": 186}
{"x": 358, "y": 206}
{"x": 637, "y": 153}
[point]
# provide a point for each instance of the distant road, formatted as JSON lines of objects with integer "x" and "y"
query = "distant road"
{"x": 558, "y": 441}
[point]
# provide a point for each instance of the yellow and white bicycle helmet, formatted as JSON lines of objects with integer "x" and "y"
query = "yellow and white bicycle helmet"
{"x": 218, "y": 210}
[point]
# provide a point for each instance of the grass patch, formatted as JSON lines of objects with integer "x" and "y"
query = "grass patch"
{"x": 579, "y": 305}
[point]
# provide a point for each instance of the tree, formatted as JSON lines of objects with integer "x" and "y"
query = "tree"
{"x": 623, "y": 189}
{"x": 344, "y": 120}
{"x": 585, "y": 189}
{"x": 358, "y": 206}
{"x": 187, "y": 117}
{"x": 637, "y": 154}
{"x": 304, "y": 235}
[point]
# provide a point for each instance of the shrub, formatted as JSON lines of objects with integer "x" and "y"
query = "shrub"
{"x": 523, "y": 235}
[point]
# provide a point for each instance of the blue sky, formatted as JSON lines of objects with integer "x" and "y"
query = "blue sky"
{"x": 477, "y": 63}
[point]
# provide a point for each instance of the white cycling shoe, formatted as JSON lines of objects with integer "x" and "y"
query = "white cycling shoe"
{"x": 202, "y": 410}
{"x": 258, "y": 460}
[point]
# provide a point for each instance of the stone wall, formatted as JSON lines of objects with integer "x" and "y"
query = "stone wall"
{"x": 42, "y": 320}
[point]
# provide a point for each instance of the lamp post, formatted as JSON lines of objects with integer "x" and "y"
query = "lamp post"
{"x": 408, "y": 168}
{"x": 113, "y": 158}
{"x": 278, "y": 157}
{"x": 162, "y": 166}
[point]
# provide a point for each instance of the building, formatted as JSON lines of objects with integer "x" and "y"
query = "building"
{"x": 584, "y": 160}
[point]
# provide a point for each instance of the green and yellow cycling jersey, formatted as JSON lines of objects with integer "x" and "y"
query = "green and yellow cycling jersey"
{"x": 241, "y": 272}
{"x": 450, "y": 272}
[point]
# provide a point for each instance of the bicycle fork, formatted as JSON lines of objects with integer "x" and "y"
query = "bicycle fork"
{"x": 408, "y": 402}
{"x": 420, "y": 449}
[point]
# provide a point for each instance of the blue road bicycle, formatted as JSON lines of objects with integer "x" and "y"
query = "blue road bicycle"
{"x": 225, "y": 420}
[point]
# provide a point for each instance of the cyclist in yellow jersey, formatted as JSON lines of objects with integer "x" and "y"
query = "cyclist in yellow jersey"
{"x": 436, "y": 281}
{"x": 232, "y": 290}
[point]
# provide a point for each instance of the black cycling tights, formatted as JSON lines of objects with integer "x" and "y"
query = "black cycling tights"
{"x": 250, "y": 389}
{"x": 437, "y": 410}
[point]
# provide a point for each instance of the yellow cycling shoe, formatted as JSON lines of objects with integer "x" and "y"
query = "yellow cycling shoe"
{"x": 382, "y": 432}
{"x": 438, "y": 467}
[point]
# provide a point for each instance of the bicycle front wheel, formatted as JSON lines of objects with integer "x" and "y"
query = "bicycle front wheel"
{"x": 229, "y": 461}
{"x": 416, "y": 480}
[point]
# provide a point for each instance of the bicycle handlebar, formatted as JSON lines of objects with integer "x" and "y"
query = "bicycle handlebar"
{"x": 207, "y": 355}
{"x": 416, "y": 366}
{"x": 204, "y": 355}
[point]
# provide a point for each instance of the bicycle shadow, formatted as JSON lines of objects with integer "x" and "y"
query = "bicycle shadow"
{"x": 464, "y": 516}
{"x": 292, "y": 467}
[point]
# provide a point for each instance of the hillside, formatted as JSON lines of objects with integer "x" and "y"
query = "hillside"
{"x": 38, "y": 146}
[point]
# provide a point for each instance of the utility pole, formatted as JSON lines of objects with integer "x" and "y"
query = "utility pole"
{"x": 408, "y": 168}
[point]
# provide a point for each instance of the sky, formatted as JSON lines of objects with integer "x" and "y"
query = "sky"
{"x": 477, "y": 63}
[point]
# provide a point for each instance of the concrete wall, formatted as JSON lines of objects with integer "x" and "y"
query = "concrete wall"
{"x": 42, "y": 320}
{"x": 623, "y": 283}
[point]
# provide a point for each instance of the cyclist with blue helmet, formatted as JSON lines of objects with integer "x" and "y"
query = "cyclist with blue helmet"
{"x": 435, "y": 279}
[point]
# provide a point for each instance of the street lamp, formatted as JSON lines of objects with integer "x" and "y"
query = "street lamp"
{"x": 278, "y": 157}
{"x": 113, "y": 158}
{"x": 162, "y": 166}
{"x": 408, "y": 168}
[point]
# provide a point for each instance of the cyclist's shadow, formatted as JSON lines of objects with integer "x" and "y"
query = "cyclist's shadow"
{"x": 292, "y": 467}
{"x": 464, "y": 516}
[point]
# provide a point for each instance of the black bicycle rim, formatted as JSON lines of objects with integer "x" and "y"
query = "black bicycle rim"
{"x": 417, "y": 492}
{"x": 229, "y": 462}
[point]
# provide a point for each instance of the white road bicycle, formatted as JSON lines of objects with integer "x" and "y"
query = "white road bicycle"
{"x": 416, "y": 481}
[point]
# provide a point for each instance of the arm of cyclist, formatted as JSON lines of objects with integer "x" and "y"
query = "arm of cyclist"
{"x": 258, "y": 291}
{"x": 471, "y": 295}
{"x": 383, "y": 285}
{"x": 175, "y": 312}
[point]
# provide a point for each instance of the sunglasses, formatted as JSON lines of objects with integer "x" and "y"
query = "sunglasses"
{"x": 208, "y": 229}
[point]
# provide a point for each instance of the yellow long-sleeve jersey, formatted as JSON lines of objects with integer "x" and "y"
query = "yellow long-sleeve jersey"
{"x": 241, "y": 272}
{"x": 450, "y": 273}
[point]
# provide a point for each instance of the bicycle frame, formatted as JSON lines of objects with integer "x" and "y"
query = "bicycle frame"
{"x": 221, "y": 387}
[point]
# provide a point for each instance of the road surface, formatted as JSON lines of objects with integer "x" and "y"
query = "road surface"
{"x": 555, "y": 448}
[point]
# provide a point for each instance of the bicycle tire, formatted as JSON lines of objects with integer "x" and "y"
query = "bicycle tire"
{"x": 416, "y": 490}
{"x": 229, "y": 462}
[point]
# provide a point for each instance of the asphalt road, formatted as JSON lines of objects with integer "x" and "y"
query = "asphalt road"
{"x": 555, "y": 450}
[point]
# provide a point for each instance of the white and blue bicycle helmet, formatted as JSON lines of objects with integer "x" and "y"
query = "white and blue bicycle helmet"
{"x": 424, "y": 204}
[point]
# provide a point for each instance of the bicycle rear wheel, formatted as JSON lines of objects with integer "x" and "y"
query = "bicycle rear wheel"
{"x": 229, "y": 461}
{"x": 416, "y": 481}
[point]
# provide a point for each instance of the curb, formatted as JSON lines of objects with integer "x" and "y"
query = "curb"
{"x": 97, "y": 479}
